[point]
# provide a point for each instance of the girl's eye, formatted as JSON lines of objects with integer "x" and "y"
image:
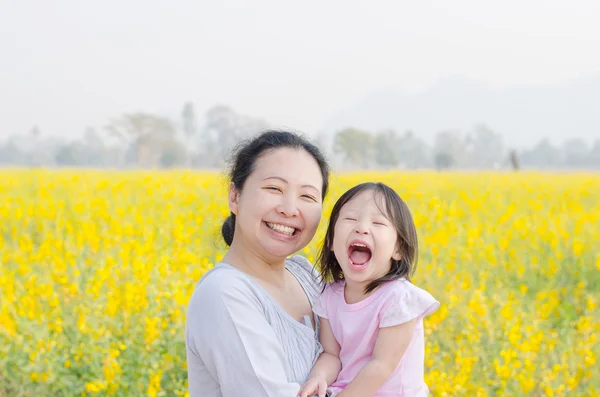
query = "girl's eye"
{"x": 379, "y": 223}
{"x": 350, "y": 219}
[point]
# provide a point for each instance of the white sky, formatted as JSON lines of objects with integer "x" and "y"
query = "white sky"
{"x": 67, "y": 64}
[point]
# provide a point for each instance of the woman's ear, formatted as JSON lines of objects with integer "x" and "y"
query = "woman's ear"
{"x": 233, "y": 198}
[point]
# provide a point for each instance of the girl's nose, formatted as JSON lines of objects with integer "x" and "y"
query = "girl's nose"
{"x": 361, "y": 228}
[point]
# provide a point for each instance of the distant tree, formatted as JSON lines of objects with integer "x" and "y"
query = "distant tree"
{"x": 11, "y": 153}
{"x": 94, "y": 148}
{"x": 355, "y": 146}
{"x": 594, "y": 155}
{"x": 484, "y": 147}
{"x": 174, "y": 154}
{"x": 35, "y": 132}
{"x": 222, "y": 130}
{"x": 324, "y": 141}
{"x": 92, "y": 139}
{"x": 144, "y": 134}
{"x": 443, "y": 160}
{"x": 542, "y": 155}
{"x": 190, "y": 127}
{"x": 413, "y": 152}
{"x": 386, "y": 148}
{"x": 71, "y": 154}
{"x": 575, "y": 152}
{"x": 449, "y": 149}
{"x": 514, "y": 160}
{"x": 34, "y": 157}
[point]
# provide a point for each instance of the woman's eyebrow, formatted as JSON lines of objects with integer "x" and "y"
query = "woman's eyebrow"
{"x": 285, "y": 181}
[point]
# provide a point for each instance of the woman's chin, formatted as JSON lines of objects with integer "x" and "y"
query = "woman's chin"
{"x": 281, "y": 245}
{"x": 281, "y": 249}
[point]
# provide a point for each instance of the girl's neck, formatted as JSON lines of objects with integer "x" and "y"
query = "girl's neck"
{"x": 269, "y": 270}
{"x": 355, "y": 292}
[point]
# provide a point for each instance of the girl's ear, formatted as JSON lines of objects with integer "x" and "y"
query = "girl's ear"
{"x": 397, "y": 253}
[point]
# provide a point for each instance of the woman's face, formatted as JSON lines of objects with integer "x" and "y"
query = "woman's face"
{"x": 280, "y": 207}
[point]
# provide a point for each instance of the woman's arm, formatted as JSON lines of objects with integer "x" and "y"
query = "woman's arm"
{"x": 391, "y": 344}
{"x": 227, "y": 330}
{"x": 328, "y": 364}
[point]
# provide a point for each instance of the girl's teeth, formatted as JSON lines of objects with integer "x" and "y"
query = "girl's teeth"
{"x": 280, "y": 228}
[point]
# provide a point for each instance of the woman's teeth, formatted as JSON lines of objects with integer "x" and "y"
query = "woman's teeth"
{"x": 281, "y": 228}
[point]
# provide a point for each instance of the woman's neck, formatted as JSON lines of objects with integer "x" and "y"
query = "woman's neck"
{"x": 268, "y": 269}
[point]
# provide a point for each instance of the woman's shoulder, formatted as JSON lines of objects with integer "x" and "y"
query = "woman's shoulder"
{"x": 300, "y": 264}
{"x": 223, "y": 281}
{"x": 305, "y": 273}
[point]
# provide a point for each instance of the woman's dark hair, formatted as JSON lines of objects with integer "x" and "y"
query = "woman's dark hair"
{"x": 246, "y": 153}
{"x": 397, "y": 212}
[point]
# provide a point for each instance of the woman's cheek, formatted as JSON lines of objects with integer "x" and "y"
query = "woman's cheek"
{"x": 315, "y": 217}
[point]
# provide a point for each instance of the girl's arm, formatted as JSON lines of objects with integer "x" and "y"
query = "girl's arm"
{"x": 328, "y": 364}
{"x": 391, "y": 344}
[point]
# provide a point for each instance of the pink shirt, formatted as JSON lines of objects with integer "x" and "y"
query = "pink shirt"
{"x": 356, "y": 326}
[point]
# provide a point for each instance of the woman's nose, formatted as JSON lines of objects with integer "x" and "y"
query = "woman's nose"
{"x": 288, "y": 207}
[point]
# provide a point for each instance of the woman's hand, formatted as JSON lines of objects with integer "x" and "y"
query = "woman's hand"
{"x": 326, "y": 368}
{"x": 313, "y": 385}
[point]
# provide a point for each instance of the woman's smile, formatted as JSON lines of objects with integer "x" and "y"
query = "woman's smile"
{"x": 282, "y": 233}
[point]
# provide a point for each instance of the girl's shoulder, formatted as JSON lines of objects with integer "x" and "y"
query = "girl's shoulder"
{"x": 404, "y": 286}
{"x": 405, "y": 301}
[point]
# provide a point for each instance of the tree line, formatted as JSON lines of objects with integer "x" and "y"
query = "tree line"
{"x": 144, "y": 140}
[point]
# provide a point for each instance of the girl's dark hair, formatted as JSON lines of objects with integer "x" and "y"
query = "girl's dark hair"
{"x": 397, "y": 212}
{"x": 246, "y": 153}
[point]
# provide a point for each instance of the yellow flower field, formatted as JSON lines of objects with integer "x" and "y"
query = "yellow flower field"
{"x": 96, "y": 268}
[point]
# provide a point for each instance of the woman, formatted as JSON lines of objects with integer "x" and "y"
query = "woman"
{"x": 250, "y": 329}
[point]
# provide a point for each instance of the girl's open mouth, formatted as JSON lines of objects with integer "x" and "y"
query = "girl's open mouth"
{"x": 359, "y": 254}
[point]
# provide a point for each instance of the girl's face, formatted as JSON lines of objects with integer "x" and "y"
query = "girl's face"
{"x": 364, "y": 240}
{"x": 279, "y": 208}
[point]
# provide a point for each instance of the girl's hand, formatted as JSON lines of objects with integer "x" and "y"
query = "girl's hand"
{"x": 313, "y": 386}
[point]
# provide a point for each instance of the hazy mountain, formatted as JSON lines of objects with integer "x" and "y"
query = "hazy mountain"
{"x": 523, "y": 114}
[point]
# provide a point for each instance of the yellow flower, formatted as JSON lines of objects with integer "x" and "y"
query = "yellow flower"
{"x": 97, "y": 268}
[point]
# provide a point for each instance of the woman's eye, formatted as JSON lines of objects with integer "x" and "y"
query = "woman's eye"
{"x": 310, "y": 197}
{"x": 273, "y": 188}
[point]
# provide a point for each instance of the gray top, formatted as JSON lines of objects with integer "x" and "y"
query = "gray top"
{"x": 240, "y": 342}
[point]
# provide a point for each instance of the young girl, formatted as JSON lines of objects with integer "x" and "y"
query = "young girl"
{"x": 371, "y": 314}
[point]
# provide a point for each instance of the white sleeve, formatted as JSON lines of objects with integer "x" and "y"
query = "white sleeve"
{"x": 228, "y": 331}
